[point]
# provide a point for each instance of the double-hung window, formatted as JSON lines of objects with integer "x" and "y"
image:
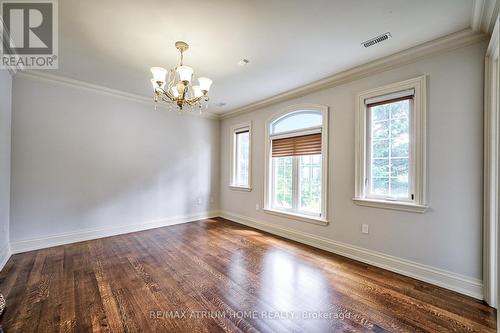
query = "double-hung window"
{"x": 297, "y": 164}
{"x": 390, "y": 147}
{"x": 240, "y": 159}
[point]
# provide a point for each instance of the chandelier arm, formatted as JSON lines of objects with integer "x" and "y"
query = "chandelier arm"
{"x": 163, "y": 93}
{"x": 164, "y": 99}
{"x": 193, "y": 101}
{"x": 170, "y": 96}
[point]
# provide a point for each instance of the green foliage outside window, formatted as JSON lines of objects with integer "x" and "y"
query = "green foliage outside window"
{"x": 390, "y": 148}
{"x": 310, "y": 183}
{"x": 283, "y": 181}
{"x": 309, "y": 167}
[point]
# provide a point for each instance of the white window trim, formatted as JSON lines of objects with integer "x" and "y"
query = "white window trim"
{"x": 418, "y": 156}
{"x": 322, "y": 219}
{"x": 232, "y": 167}
{"x": 491, "y": 207}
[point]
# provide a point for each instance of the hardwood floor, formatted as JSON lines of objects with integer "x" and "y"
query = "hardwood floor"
{"x": 215, "y": 275}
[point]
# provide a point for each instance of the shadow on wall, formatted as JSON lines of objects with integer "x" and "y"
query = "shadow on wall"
{"x": 80, "y": 168}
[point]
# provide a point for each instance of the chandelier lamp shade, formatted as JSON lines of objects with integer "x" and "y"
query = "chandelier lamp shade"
{"x": 175, "y": 86}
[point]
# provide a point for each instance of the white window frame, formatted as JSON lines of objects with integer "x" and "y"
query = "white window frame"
{"x": 234, "y": 131}
{"x": 418, "y": 147}
{"x": 322, "y": 218}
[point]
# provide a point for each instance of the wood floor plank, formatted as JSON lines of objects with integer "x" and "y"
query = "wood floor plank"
{"x": 218, "y": 276}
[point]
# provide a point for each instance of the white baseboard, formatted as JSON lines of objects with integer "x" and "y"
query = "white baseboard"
{"x": 83, "y": 235}
{"x": 4, "y": 255}
{"x": 439, "y": 277}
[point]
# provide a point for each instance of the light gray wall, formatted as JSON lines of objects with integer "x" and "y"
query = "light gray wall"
{"x": 5, "y": 124}
{"x": 448, "y": 236}
{"x": 84, "y": 160}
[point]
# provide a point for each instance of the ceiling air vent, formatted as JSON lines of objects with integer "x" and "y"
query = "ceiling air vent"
{"x": 376, "y": 40}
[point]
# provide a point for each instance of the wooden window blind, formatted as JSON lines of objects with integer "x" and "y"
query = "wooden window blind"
{"x": 297, "y": 145}
{"x": 242, "y": 130}
{"x": 387, "y": 101}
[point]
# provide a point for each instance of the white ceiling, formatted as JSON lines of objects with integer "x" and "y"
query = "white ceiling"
{"x": 289, "y": 43}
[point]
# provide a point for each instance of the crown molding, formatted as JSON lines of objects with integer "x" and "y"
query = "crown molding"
{"x": 447, "y": 43}
{"x": 65, "y": 81}
{"x": 494, "y": 40}
{"x": 484, "y": 14}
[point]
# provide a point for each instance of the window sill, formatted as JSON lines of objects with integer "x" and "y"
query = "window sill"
{"x": 395, "y": 205}
{"x": 295, "y": 216}
{"x": 240, "y": 188}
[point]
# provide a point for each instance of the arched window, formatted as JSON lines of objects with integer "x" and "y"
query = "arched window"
{"x": 298, "y": 120}
{"x": 296, "y": 166}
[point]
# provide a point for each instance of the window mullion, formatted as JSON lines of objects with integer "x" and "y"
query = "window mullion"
{"x": 295, "y": 183}
{"x": 235, "y": 158}
{"x": 411, "y": 152}
{"x": 238, "y": 159}
{"x": 310, "y": 179}
{"x": 367, "y": 181}
{"x": 272, "y": 182}
{"x": 390, "y": 152}
{"x": 274, "y": 165}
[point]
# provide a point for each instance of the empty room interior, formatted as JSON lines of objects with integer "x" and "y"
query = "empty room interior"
{"x": 249, "y": 166}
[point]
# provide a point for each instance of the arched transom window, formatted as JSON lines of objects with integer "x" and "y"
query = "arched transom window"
{"x": 296, "y": 165}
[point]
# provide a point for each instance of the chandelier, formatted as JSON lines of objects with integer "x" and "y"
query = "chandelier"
{"x": 178, "y": 91}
